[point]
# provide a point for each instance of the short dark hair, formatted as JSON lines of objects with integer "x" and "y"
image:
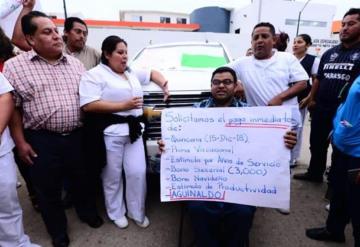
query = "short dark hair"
{"x": 265, "y": 24}
{"x": 69, "y": 23}
{"x": 306, "y": 38}
{"x": 6, "y": 47}
{"x": 282, "y": 40}
{"x": 27, "y": 25}
{"x": 353, "y": 11}
{"x": 109, "y": 45}
{"x": 224, "y": 69}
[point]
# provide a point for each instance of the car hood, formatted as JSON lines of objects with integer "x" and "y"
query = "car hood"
{"x": 184, "y": 80}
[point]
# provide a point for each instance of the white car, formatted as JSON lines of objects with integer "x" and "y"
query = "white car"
{"x": 188, "y": 67}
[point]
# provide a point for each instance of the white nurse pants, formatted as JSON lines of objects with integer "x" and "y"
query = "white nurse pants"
{"x": 121, "y": 154}
{"x": 11, "y": 224}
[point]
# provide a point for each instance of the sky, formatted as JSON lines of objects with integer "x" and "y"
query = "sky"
{"x": 109, "y": 9}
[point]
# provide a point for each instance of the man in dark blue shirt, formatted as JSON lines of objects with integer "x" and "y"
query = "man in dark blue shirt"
{"x": 345, "y": 173}
{"x": 338, "y": 69}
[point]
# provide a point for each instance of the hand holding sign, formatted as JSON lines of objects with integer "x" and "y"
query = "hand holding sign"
{"x": 227, "y": 154}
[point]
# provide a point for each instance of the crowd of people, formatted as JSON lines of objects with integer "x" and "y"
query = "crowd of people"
{"x": 61, "y": 99}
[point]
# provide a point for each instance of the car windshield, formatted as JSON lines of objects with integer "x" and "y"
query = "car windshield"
{"x": 181, "y": 57}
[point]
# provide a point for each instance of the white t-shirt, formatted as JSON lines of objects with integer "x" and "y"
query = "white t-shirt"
{"x": 7, "y": 143}
{"x": 264, "y": 79}
{"x": 101, "y": 83}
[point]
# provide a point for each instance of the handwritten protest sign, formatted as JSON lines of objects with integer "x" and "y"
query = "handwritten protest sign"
{"x": 8, "y": 6}
{"x": 226, "y": 154}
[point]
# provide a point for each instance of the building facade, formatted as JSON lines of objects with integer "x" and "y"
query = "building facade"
{"x": 154, "y": 16}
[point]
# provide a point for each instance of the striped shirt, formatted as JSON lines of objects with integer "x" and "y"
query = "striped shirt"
{"x": 47, "y": 93}
{"x": 337, "y": 70}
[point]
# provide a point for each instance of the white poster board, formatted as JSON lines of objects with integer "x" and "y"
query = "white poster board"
{"x": 229, "y": 154}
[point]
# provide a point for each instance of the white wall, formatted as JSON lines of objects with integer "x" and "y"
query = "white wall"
{"x": 276, "y": 12}
{"x": 235, "y": 44}
{"x": 245, "y": 19}
{"x": 153, "y": 16}
{"x": 138, "y": 39}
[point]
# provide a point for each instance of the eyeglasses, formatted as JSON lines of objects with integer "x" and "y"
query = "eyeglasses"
{"x": 226, "y": 82}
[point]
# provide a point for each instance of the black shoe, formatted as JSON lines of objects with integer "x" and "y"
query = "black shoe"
{"x": 308, "y": 177}
{"x": 67, "y": 201}
{"x": 34, "y": 202}
{"x": 62, "y": 241}
{"x": 94, "y": 221}
{"x": 323, "y": 234}
{"x": 357, "y": 242}
{"x": 293, "y": 164}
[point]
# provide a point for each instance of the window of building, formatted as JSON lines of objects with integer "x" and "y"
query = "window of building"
{"x": 138, "y": 18}
{"x": 293, "y": 22}
{"x": 180, "y": 20}
{"x": 164, "y": 19}
{"x": 237, "y": 31}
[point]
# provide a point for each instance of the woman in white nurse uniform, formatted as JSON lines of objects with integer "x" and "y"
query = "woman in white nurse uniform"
{"x": 113, "y": 92}
{"x": 11, "y": 225}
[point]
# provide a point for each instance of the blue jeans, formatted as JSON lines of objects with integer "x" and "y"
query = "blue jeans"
{"x": 221, "y": 224}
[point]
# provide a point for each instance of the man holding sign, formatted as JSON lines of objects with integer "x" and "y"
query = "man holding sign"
{"x": 208, "y": 216}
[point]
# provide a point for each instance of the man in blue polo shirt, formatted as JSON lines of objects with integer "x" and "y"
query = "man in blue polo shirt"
{"x": 345, "y": 172}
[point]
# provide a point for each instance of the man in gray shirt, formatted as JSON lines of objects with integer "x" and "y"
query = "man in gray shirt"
{"x": 75, "y": 36}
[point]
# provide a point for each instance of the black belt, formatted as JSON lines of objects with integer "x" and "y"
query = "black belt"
{"x": 63, "y": 134}
{"x": 100, "y": 121}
